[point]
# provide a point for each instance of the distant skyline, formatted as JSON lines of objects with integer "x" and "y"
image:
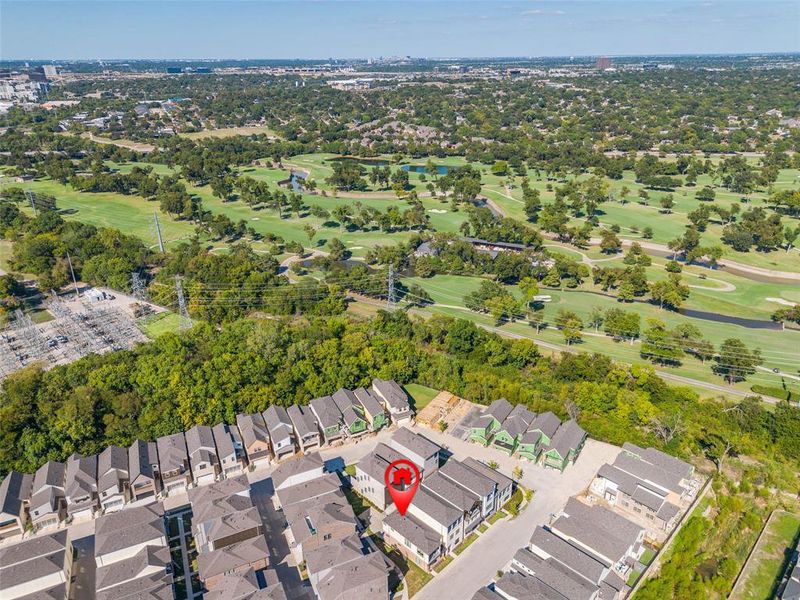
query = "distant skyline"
{"x": 234, "y": 29}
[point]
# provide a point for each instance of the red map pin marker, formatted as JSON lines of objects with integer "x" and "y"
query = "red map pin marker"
{"x": 402, "y": 480}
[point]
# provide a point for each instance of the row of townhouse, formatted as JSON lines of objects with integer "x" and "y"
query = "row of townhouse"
{"x": 648, "y": 486}
{"x": 324, "y": 533}
{"x": 587, "y": 552}
{"x": 450, "y": 502}
{"x": 41, "y": 567}
{"x": 233, "y": 560}
{"x": 521, "y": 432}
{"x": 85, "y": 486}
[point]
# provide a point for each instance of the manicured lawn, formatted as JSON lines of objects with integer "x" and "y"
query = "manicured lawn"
{"x": 647, "y": 556}
{"x": 483, "y": 527}
{"x": 496, "y": 517}
{"x": 466, "y": 543}
{"x": 157, "y": 325}
{"x": 443, "y": 563}
{"x": 770, "y": 559}
{"x": 357, "y": 501}
{"x": 633, "y": 577}
{"x": 228, "y": 132}
{"x": 420, "y": 395}
{"x": 350, "y": 470}
{"x": 415, "y": 577}
{"x": 5, "y": 255}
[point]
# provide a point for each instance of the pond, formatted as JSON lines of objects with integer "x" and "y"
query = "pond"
{"x": 441, "y": 170}
{"x": 294, "y": 180}
{"x": 368, "y": 162}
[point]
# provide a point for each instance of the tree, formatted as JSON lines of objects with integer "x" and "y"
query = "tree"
{"x": 570, "y": 325}
{"x": 707, "y": 194}
{"x": 609, "y": 242}
{"x": 670, "y": 292}
{"x": 791, "y": 235}
{"x": 658, "y": 344}
{"x": 517, "y": 473}
{"x": 647, "y": 233}
{"x": 736, "y": 361}
{"x": 338, "y": 251}
{"x": 667, "y": 202}
{"x": 596, "y": 318}
{"x": 502, "y": 308}
{"x": 500, "y": 167}
{"x": 310, "y": 232}
{"x": 529, "y": 288}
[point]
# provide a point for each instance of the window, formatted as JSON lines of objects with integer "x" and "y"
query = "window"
{"x": 327, "y": 536}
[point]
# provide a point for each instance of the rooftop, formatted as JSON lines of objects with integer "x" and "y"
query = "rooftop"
{"x": 415, "y": 531}
{"x": 405, "y": 439}
{"x": 468, "y": 478}
{"x": 296, "y": 466}
{"x": 132, "y": 526}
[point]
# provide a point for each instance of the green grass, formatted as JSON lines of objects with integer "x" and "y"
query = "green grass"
{"x": 466, "y": 543}
{"x": 496, "y": 517}
{"x": 770, "y": 559}
{"x": 357, "y": 501}
{"x": 483, "y": 527}
{"x": 420, "y": 395}
{"x": 157, "y": 325}
{"x": 415, "y": 577}
{"x": 5, "y": 255}
{"x": 647, "y": 556}
{"x": 228, "y": 132}
{"x": 633, "y": 577}
{"x": 440, "y": 566}
{"x": 350, "y": 470}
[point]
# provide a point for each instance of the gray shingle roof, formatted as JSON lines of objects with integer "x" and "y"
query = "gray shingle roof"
{"x": 483, "y": 469}
{"x": 200, "y": 444}
{"x": 516, "y": 585}
{"x": 141, "y": 457}
{"x": 332, "y": 555}
{"x": 370, "y": 404}
{"x": 375, "y": 463}
{"x": 278, "y": 423}
{"x": 392, "y": 393}
{"x": 404, "y": 438}
{"x": 81, "y": 475}
{"x": 660, "y": 459}
{"x": 172, "y": 452}
{"x": 415, "y": 531}
{"x": 557, "y": 576}
{"x": 649, "y": 467}
{"x": 450, "y": 492}
{"x": 231, "y": 557}
{"x": 129, "y": 527}
{"x": 365, "y": 577}
{"x": 296, "y": 466}
{"x": 252, "y": 428}
{"x": 303, "y": 420}
{"x": 15, "y": 488}
{"x": 547, "y": 543}
{"x": 468, "y": 478}
{"x": 152, "y": 587}
{"x": 223, "y": 440}
{"x": 518, "y": 420}
{"x": 318, "y": 513}
{"x": 122, "y": 571}
{"x": 111, "y": 458}
{"x": 568, "y": 437}
{"x": 604, "y": 531}
{"x": 547, "y": 423}
{"x": 49, "y": 474}
{"x": 326, "y": 411}
{"x": 327, "y": 485}
{"x": 437, "y": 509}
{"x": 42, "y": 545}
{"x": 499, "y": 410}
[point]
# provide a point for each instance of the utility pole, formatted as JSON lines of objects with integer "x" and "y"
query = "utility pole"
{"x": 158, "y": 233}
{"x": 184, "y": 320}
{"x": 390, "y": 294}
{"x": 74, "y": 281}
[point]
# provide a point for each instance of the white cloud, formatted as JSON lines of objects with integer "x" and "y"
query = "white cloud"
{"x": 542, "y": 12}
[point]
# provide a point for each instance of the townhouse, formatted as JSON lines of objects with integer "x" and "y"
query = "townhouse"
{"x": 329, "y": 418}
{"x": 143, "y": 470}
{"x": 317, "y": 522}
{"x": 565, "y": 446}
{"x": 443, "y": 518}
{"x": 355, "y": 423}
{"x": 245, "y": 585}
{"x": 173, "y": 464}
{"x": 15, "y": 492}
{"x": 255, "y": 438}
{"x": 203, "y": 457}
{"x": 370, "y": 480}
{"x": 374, "y": 412}
{"x": 489, "y": 421}
{"x": 613, "y": 539}
{"x": 305, "y": 427}
{"x": 504, "y": 485}
{"x": 112, "y": 478}
{"x": 228, "y": 531}
{"x": 415, "y": 540}
{"x": 47, "y": 504}
{"x": 80, "y": 486}
{"x": 538, "y": 436}
{"x": 394, "y": 399}
{"x": 508, "y": 436}
{"x": 648, "y": 486}
{"x": 416, "y": 448}
{"x": 230, "y": 450}
{"x": 327, "y": 485}
{"x": 363, "y": 577}
{"x": 298, "y": 470}
{"x": 567, "y": 568}
{"x": 122, "y": 535}
{"x": 449, "y": 492}
{"x": 131, "y": 554}
{"x": 479, "y": 485}
{"x": 281, "y": 432}
{"x": 40, "y": 567}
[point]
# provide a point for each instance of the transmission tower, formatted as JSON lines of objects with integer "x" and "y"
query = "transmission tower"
{"x": 390, "y": 294}
{"x": 138, "y": 287}
{"x": 184, "y": 320}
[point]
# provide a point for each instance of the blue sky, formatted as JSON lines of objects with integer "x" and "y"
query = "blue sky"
{"x": 66, "y": 29}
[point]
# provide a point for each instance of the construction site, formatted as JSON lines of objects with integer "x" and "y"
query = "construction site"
{"x": 90, "y": 321}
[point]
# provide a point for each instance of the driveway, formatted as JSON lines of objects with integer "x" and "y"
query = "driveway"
{"x": 84, "y": 568}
